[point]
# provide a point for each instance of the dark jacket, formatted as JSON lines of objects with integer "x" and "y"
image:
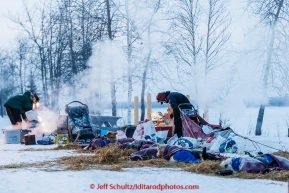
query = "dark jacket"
{"x": 21, "y": 102}
{"x": 176, "y": 98}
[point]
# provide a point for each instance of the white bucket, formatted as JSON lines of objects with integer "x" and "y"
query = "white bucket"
{"x": 32, "y": 115}
{"x": 11, "y": 136}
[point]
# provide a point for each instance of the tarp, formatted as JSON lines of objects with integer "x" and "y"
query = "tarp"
{"x": 193, "y": 129}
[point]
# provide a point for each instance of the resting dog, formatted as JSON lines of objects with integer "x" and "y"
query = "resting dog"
{"x": 264, "y": 158}
{"x": 231, "y": 164}
{"x": 256, "y": 164}
{"x": 176, "y": 154}
{"x": 111, "y": 136}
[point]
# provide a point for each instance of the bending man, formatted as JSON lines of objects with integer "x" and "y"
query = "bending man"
{"x": 174, "y": 99}
{"x": 18, "y": 105}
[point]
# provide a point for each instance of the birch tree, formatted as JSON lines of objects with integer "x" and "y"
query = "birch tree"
{"x": 133, "y": 30}
{"x": 22, "y": 51}
{"x": 112, "y": 77}
{"x": 272, "y": 14}
{"x": 34, "y": 25}
{"x": 186, "y": 41}
{"x": 216, "y": 38}
{"x": 148, "y": 56}
{"x": 8, "y": 78}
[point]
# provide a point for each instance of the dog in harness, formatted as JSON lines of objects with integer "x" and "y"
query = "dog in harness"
{"x": 256, "y": 164}
{"x": 266, "y": 159}
{"x": 177, "y": 154}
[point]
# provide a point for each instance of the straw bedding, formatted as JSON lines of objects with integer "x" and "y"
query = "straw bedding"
{"x": 113, "y": 158}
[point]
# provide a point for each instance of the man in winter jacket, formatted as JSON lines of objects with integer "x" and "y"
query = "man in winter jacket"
{"x": 18, "y": 105}
{"x": 174, "y": 99}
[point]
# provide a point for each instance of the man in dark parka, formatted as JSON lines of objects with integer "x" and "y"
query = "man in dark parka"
{"x": 174, "y": 99}
{"x": 18, "y": 105}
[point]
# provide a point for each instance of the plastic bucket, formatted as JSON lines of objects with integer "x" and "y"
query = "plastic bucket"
{"x": 32, "y": 115}
{"x": 11, "y": 136}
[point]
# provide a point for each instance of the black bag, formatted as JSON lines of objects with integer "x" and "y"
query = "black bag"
{"x": 86, "y": 133}
{"x": 224, "y": 172}
{"x": 29, "y": 139}
{"x": 23, "y": 132}
{"x": 129, "y": 130}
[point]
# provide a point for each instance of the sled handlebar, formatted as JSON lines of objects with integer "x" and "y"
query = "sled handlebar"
{"x": 185, "y": 110}
{"x": 186, "y": 104}
{"x": 66, "y": 106}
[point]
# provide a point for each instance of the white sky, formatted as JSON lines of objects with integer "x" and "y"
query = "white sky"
{"x": 7, "y": 34}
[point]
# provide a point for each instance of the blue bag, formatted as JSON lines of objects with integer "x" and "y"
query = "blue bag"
{"x": 228, "y": 146}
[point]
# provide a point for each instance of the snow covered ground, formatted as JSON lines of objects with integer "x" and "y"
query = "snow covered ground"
{"x": 35, "y": 180}
{"x": 32, "y": 180}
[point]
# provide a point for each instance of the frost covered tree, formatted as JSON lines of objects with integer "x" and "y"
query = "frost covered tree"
{"x": 112, "y": 78}
{"x": 22, "y": 52}
{"x": 129, "y": 41}
{"x": 8, "y": 78}
{"x": 31, "y": 85}
{"x": 33, "y": 23}
{"x": 273, "y": 15}
{"x": 149, "y": 53}
{"x": 133, "y": 30}
{"x": 60, "y": 34}
{"x": 200, "y": 35}
{"x": 186, "y": 40}
{"x": 216, "y": 38}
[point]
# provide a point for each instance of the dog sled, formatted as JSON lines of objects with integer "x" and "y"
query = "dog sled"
{"x": 195, "y": 126}
{"x": 80, "y": 127}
